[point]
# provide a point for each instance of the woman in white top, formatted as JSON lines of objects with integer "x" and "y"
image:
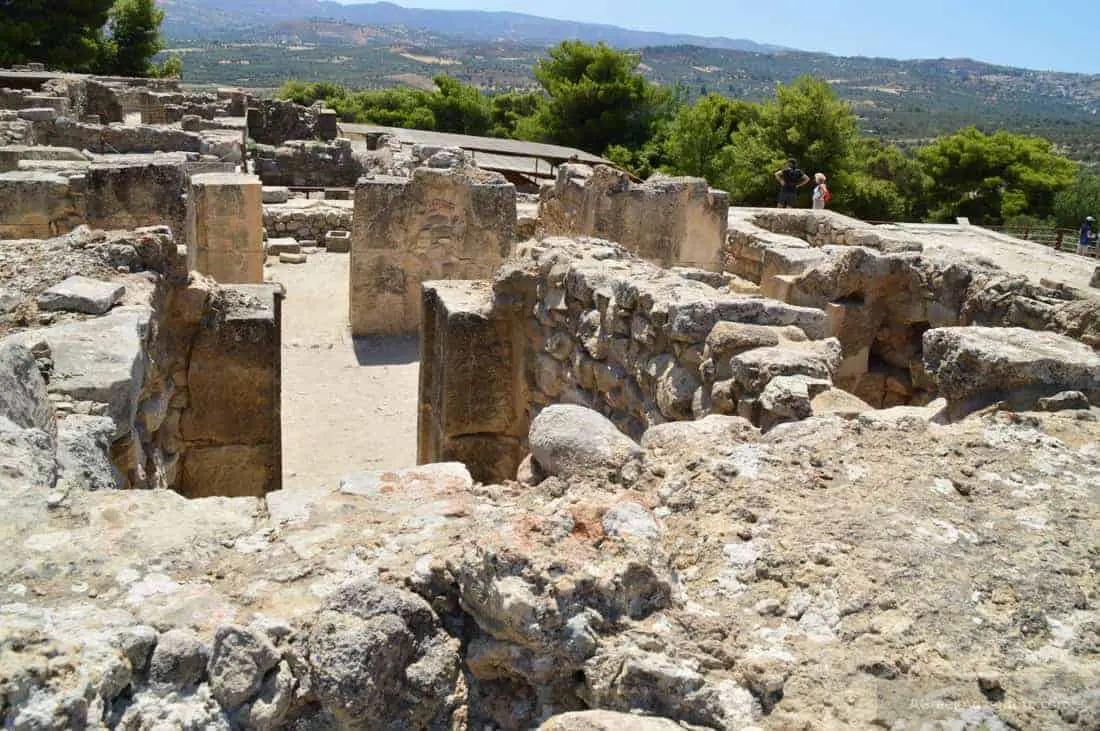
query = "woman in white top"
{"x": 821, "y": 192}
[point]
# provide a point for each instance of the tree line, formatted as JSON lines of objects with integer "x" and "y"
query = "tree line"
{"x": 592, "y": 97}
{"x": 118, "y": 37}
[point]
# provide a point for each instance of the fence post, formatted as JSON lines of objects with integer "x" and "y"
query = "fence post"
{"x": 1058, "y": 240}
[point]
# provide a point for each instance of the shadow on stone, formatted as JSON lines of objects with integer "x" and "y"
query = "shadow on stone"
{"x": 394, "y": 350}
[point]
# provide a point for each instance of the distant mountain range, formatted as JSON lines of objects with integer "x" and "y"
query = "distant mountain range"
{"x": 229, "y": 19}
{"x": 262, "y": 43}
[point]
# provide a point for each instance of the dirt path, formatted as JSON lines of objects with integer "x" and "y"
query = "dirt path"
{"x": 348, "y": 405}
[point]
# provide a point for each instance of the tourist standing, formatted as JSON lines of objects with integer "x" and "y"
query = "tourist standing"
{"x": 1088, "y": 234}
{"x": 821, "y": 192}
{"x": 790, "y": 180}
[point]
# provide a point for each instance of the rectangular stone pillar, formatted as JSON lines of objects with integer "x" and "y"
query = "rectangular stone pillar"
{"x": 472, "y": 405}
{"x": 232, "y": 427}
{"x": 225, "y": 226}
{"x": 442, "y": 224}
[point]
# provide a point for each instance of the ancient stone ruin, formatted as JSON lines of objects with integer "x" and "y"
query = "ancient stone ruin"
{"x": 442, "y": 223}
{"x": 670, "y": 464}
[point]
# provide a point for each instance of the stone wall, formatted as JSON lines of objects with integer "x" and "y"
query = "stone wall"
{"x": 443, "y": 223}
{"x": 116, "y": 139}
{"x": 36, "y": 205}
{"x": 671, "y": 221}
{"x": 10, "y": 155}
{"x": 275, "y": 121}
{"x": 15, "y": 131}
{"x": 584, "y": 322}
{"x": 120, "y": 194}
{"x": 176, "y": 385}
{"x": 307, "y": 220}
{"x": 302, "y": 163}
{"x": 881, "y": 291}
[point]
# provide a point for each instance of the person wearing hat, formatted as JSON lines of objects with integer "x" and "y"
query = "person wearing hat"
{"x": 1088, "y": 234}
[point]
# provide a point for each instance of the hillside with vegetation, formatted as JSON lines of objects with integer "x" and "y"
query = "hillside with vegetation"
{"x": 902, "y": 102}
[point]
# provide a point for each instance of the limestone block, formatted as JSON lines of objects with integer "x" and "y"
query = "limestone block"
{"x": 81, "y": 294}
{"x": 37, "y": 205}
{"x": 101, "y": 360}
{"x": 11, "y": 155}
{"x": 141, "y": 191}
{"x": 453, "y": 223}
{"x": 292, "y": 258}
{"x": 275, "y": 247}
{"x": 671, "y": 221}
{"x": 225, "y": 215}
{"x": 38, "y": 114}
{"x": 276, "y": 194}
{"x": 976, "y": 365}
{"x": 234, "y": 381}
{"x": 470, "y": 408}
{"x": 227, "y": 471}
{"x": 327, "y": 125}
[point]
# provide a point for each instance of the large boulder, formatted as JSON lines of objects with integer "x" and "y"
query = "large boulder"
{"x": 379, "y": 658}
{"x": 976, "y": 366}
{"x": 571, "y": 441}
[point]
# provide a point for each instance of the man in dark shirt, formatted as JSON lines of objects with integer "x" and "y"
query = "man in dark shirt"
{"x": 790, "y": 180}
{"x": 1088, "y": 235}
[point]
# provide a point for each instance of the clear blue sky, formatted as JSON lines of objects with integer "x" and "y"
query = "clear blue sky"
{"x": 1063, "y": 35}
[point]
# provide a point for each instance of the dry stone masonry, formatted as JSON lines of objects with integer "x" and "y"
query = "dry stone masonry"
{"x": 721, "y": 470}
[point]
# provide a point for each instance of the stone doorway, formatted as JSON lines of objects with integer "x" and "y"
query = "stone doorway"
{"x": 348, "y": 404}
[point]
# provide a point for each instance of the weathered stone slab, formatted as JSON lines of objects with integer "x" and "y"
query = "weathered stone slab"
{"x": 976, "y": 365}
{"x": 275, "y": 194}
{"x": 430, "y": 477}
{"x": 23, "y": 397}
{"x": 101, "y": 360}
{"x": 82, "y": 294}
{"x": 38, "y": 114}
{"x": 292, "y": 258}
{"x": 282, "y": 246}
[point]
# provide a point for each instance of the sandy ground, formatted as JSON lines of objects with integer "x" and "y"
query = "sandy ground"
{"x": 348, "y": 405}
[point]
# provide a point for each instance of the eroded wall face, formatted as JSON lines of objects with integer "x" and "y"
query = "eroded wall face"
{"x": 442, "y": 224}
{"x": 42, "y": 203}
{"x": 670, "y": 221}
